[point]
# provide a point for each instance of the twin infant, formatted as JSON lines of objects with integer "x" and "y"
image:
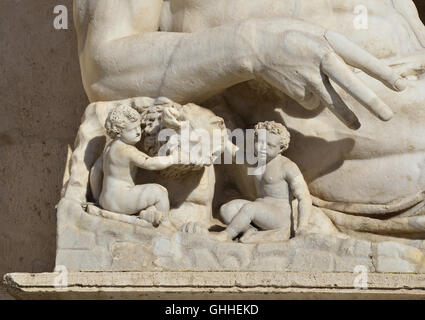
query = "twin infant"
{"x": 276, "y": 185}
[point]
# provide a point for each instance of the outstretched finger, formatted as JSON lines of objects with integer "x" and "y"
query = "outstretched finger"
{"x": 360, "y": 58}
{"x": 335, "y": 104}
{"x": 338, "y": 71}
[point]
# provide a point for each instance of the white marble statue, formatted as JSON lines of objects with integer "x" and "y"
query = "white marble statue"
{"x": 281, "y": 61}
{"x": 280, "y": 179}
{"x": 351, "y": 96}
{"x": 120, "y": 160}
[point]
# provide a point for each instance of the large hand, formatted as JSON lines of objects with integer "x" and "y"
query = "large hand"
{"x": 300, "y": 59}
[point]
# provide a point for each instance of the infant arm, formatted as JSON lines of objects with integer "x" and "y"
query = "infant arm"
{"x": 300, "y": 191}
{"x": 143, "y": 161}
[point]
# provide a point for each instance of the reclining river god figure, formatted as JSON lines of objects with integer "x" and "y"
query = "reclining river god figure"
{"x": 352, "y": 97}
{"x": 282, "y": 61}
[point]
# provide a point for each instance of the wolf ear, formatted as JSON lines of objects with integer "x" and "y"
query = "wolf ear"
{"x": 170, "y": 118}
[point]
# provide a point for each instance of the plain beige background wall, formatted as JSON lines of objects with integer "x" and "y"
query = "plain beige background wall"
{"x": 41, "y": 103}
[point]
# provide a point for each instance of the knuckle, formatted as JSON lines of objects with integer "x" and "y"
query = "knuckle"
{"x": 329, "y": 59}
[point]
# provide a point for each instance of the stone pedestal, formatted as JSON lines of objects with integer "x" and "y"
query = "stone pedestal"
{"x": 92, "y": 243}
{"x": 215, "y": 285}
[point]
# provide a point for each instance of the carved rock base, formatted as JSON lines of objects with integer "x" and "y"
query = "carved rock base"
{"x": 93, "y": 243}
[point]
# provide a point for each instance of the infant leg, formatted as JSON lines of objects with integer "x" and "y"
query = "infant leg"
{"x": 272, "y": 215}
{"x": 267, "y": 216}
{"x": 229, "y": 210}
{"x": 242, "y": 221}
{"x": 152, "y": 195}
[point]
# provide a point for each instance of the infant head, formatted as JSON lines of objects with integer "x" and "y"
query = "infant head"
{"x": 123, "y": 123}
{"x": 272, "y": 141}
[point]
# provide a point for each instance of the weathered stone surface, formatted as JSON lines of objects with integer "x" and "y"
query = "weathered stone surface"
{"x": 215, "y": 285}
{"x": 394, "y": 256}
{"x": 118, "y": 246}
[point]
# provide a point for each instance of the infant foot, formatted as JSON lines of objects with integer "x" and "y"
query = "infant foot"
{"x": 194, "y": 228}
{"x": 248, "y": 235}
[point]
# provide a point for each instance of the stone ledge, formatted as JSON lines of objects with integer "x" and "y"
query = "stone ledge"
{"x": 214, "y": 285}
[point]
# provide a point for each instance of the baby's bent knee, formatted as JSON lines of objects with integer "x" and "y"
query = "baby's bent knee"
{"x": 228, "y": 211}
{"x": 249, "y": 210}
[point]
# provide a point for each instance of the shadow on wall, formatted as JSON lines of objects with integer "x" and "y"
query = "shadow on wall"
{"x": 43, "y": 100}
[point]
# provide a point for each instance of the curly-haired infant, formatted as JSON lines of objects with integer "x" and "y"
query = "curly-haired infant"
{"x": 280, "y": 180}
{"x": 120, "y": 161}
